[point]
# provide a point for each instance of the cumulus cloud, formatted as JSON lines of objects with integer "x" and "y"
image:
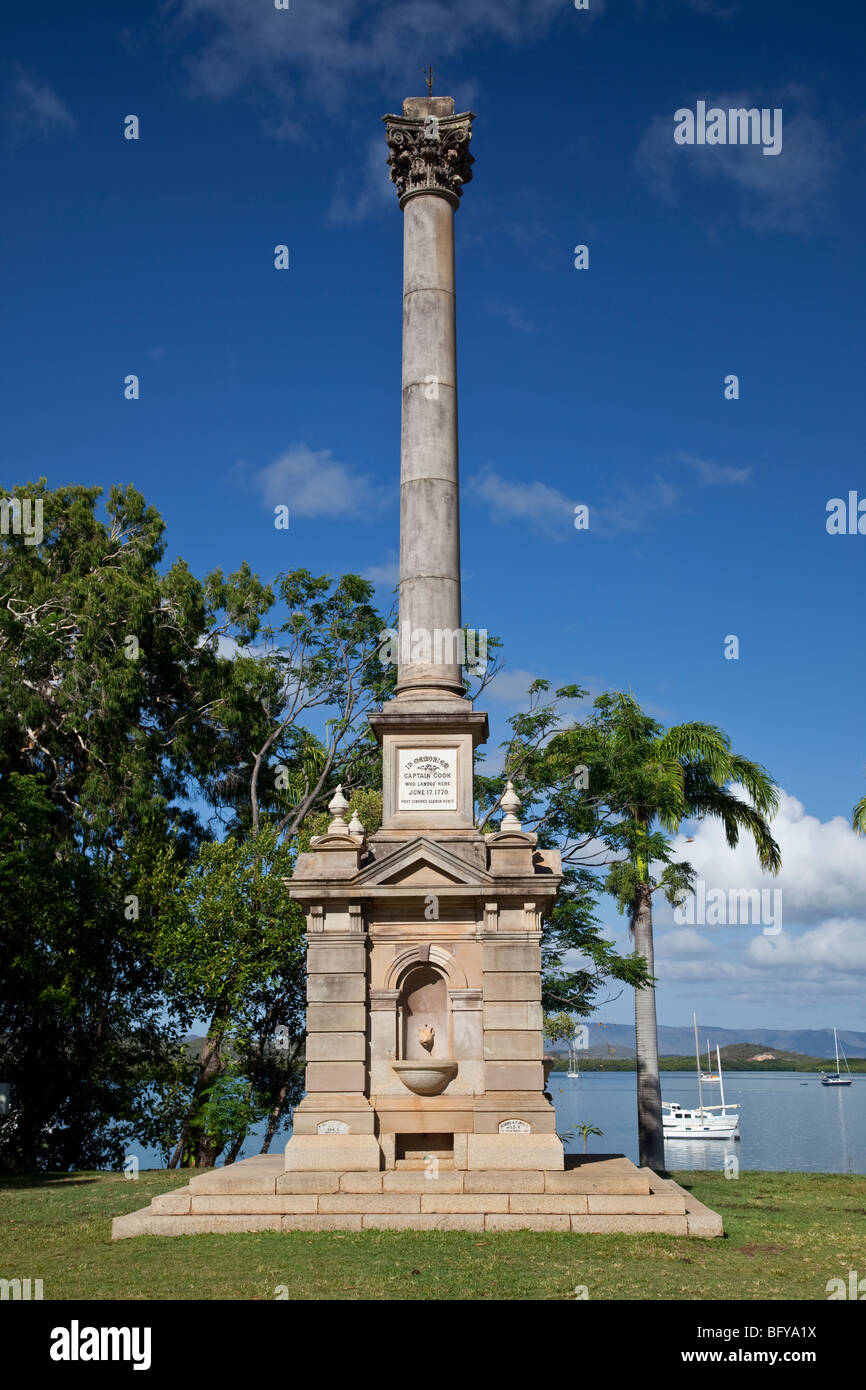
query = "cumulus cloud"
{"x": 313, "y": 483}
{"x": 823, "y": 870}
{"x": 837, "y": 946}
{"x": 686, "y": 943}
{"x": 821, "y": 948}
{"x": 787, "y": 192}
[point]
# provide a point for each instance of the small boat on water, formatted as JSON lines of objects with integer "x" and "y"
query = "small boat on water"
{"x": 837, "y": 1079}
{"x": 702, "y": 1121}
{"x": 709, "y": 1074}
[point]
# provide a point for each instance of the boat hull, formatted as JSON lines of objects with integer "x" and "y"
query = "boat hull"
{"x": 693, "y": 1124}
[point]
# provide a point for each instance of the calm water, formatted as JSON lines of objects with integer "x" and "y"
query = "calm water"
{"x": 784, "y": 1123}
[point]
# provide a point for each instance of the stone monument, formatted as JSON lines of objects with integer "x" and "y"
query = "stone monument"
{"x": 424, "y": 1028}
{"x": 425, "y": 1100}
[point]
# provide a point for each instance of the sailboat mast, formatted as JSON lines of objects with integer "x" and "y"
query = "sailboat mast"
{"x": 721, "y": 1082}
{"x": 836, "y": 1045}
{"x": 698, "y": 1064}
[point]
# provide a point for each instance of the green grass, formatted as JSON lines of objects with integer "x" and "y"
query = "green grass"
{"x": 787, "y": 1234}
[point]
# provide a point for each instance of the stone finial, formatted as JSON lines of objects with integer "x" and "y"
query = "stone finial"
{"x": 429, "y": 151}
{"x": 510, "y": 804}
{"x": 355, "y": 826}
{"x": 337, "y": 806}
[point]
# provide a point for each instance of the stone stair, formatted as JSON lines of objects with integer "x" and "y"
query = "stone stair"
{"x": 596, "y": 1195}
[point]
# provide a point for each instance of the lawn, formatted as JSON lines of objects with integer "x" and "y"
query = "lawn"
{"x": 787, "y": 1234}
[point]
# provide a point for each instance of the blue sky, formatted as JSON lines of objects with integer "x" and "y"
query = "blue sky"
{"x": 603, "y": 386}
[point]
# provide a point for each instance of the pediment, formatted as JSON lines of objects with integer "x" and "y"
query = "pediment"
{"x": 422, "y": 863}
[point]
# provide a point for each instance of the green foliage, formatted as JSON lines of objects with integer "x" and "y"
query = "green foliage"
{"x": 132, "y": 696}
{"x": 230, "y": 942}
{"x": 226, "y": 927}
{"x": 541, "y": 759}
{"x": 100, "y": 680}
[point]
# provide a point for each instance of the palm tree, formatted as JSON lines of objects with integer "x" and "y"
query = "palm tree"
{"x": 651, "y": 780}
{"x": 860, "y": 817}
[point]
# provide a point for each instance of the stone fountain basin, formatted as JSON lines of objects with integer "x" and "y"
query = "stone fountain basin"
{"x": 425, "y": 1078}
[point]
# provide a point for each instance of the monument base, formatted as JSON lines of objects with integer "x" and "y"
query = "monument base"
{"x": 345, "y": 1153}
{"x": 593, "y": 1195}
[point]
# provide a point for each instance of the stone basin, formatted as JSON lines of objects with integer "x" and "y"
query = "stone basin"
{"x": 425, "y": 1078}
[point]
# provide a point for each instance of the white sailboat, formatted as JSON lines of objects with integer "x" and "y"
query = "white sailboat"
{"x": 573, "y": 1067}
{"x": 838, "y": 1079}
{"x": 704, "y": 1121}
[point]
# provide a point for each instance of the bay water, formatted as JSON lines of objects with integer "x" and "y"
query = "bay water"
{"x": 788, "y": 1121}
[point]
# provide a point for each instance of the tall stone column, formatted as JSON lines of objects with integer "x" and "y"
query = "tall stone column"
{"x": 430, "y": 162}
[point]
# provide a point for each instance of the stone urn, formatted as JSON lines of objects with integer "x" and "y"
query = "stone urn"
{"x": 425, "y": 1078}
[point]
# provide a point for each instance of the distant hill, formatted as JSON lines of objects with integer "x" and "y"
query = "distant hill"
{"x": 680, "y": 1042}
{"x": 735, "y": 1057}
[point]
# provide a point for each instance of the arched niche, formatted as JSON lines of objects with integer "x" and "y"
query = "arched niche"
{"x": 448, "y": 964}
{"x": 423, "y": 1004}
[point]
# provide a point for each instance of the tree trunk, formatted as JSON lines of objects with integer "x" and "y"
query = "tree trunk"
{"x": 649, "y": 1092}
{"x": 209, "y": 1067}
{"x": 274, "y": 1118}
{"x": 280, "y": 1103}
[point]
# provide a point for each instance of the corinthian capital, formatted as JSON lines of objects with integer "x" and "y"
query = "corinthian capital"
{"x": 429, "y": 148}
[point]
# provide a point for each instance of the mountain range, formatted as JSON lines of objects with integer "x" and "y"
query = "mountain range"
{"x": 680, "y": 1042}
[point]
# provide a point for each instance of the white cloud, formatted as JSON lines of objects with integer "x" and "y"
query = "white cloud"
{"x": 714, "y": 474}
{"x": 686, "y": 943}
{"x": 510, "y": 687}
{"x": 836, "y": 947}
{"x": 386, "y": 574}
{"x": 545, "y": 508}
{"x": 323, "y": 52}
{"x": 786, "y": 192}
{"x": 626, "y": 509}
{"x": 550, "y": 512}
{"x": 313, "y": 483}
{"x": 823, "y": 870}
{"x": 513, "y": 316}
{"x": 372, "y": 192}
{"x": 35, "y": 109}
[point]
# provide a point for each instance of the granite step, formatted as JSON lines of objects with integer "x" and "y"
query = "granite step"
{"x": 597, "y": 1196}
